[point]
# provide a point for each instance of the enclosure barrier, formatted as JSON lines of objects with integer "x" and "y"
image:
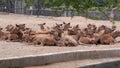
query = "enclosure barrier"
{"x": 43, "y": 59}
{"x": 107, "y": 64}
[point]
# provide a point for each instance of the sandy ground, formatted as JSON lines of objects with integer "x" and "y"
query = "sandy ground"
{"x": 14, "y": 49}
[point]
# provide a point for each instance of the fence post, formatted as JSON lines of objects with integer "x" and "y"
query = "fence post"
{"x": 7, "y": 8}
{"x": 38, "y": 11}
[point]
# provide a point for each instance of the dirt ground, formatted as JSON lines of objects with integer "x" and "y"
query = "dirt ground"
{"x": 12, "y": 49}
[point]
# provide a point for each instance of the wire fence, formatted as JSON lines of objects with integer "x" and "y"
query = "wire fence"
{"x": 37, "y": 7}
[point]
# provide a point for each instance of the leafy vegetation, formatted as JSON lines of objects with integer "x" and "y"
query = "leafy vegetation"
{"x": 83, "y": 6}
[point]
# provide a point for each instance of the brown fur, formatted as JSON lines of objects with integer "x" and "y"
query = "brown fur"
{"x": 107, "y": 39}
{"x": 43, "y": 39}
{"x": 42, "y": 26}
{"x": 21, "y": 26}
{"x": 61, "y": 34}
{"x": 66, "y": 26}
{"x": 69, "y": 40}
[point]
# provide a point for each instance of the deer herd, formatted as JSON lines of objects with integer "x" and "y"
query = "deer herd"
{"x": 60, "y": 35}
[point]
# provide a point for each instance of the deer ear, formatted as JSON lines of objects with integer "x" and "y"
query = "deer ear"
{"x": 17, "y": 25}
{"x": 61, "y": 24}
{"x": 64, "y": 23}
{"x": 1, "y": 28}
{"x": 23, "y": 24}
{"x": 113, "y": 26}
{"x": 56, "y": 24}
{"x": 68, "y": 23}
{"x": 77, "y": 25}
{"x": 44, "y": 23}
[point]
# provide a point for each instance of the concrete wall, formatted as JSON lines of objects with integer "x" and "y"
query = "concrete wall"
{"x": 113, "y": 64}
{"x": 37, "y": 60}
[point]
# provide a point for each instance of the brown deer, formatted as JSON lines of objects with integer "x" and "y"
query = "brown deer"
{"x": 22, "y": 27}
{"x": 90, "y": 36}
{"x": 44, "y": 39}
{"x": 109, "y": 38}
{"x": 74, "y": 30}
{"x": 68, "y": 40}
{"x": 1, "y": 32}
{"x": 9, "y": 28}
{"x": 27, "y": 35}
{"x": 15, "y": 32}
{"x": 107, "y": 29}
{"x": 66, "y": 26}
{"x": 42, "y": 26}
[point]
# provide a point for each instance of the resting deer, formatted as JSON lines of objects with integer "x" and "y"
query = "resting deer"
{"x": 22, "y": 27}
{"x": 66, "y": 26}
{"x": 109, "y": 38}
{"x": 107, "y": 29}
{"x": 42, "y": 26}
{"x": 27, "y": 35}
{"x": 43, "y": 30}
{"x": 15, "y": 32}
{"x": 3, "y": 35}
{"x": 74, "y": 30}
{"x": 90, "y": 35}
{"x": 45, "y": 39}
{"x": 69, "y": 40}
{"x": 83, "y": 38}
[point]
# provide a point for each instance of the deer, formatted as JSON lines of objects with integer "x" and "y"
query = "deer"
{"x": 74, "y": 30}
{"x": 109, "y": 38}
{"x": 83, "y": 38}
{"x": 22, "y": 27}
{"x": 63, "y": 39}
{"x": 48, "y": 38}
{"x": 45, "y": 39}
{"x": 15, "y": 32}
{"x": 69, "y": 40}
{"x": 90, "y": 30}
{"x": 42, "y": 29}
{"x": 42, "y": 26}
{"x": 66, "y": 26}
{"x": 10, "y": 33}
{"x": 86, "y": 35}
{"x": 3, "y": 35}
{"x": 98, "y": 35}
{"x": 107, "y": 29}
{"x": 27, "y": 35}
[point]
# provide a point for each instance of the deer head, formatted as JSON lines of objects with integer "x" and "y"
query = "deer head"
{"x": 1, "y": 29}
{"x": 9, "y": 28}
{"x": 42, "y": 26}
{"x": 116, "y": 34}
{"x": 21, "y": 26}
{"x": 66, "y": 26}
